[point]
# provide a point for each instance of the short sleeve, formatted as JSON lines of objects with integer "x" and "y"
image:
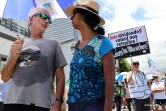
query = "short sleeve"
{"x": 106, "y": 46}
{"x": 60, "y": 60}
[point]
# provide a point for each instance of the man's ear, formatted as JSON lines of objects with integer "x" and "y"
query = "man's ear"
{"x": 30, "y": 20}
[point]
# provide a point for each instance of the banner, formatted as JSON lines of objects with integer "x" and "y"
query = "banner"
{"x": 49, "y": 4}
{"x": 131, "y": 42}
{"x": 153, "y": 66}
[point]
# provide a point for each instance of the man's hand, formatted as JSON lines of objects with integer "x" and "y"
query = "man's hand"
{"x": 154, "y": 91}
{"x": 16, "y": 47}
{"x": 129, "y": 78}
{"x": 159, "y": 89}
{"x": 8, "y": 69}
{"x": 132, "y": 68}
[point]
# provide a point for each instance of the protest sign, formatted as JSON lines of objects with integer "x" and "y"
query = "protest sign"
{"x": 130, "y": 42}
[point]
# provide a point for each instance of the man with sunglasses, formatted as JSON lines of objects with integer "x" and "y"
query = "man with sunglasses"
{"x": 158, "y": 90}
{"x": 31, "y": 66}
{"x": 138, "y": 88}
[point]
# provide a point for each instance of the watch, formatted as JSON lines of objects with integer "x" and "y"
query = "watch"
{"x": 59, "y": 99}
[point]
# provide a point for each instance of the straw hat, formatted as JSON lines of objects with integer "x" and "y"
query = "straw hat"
{"x": 89, "y": 5}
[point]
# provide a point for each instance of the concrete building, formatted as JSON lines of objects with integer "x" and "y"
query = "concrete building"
{"x": 8, "y": 34}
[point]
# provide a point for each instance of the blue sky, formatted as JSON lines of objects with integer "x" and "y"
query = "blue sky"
{"x": 124, "y": 14}
{"x": 139, "y": 14}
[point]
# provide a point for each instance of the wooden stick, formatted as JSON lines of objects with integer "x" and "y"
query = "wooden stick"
{"x": 131, "y": 59}
{"x": 18, "y": 38}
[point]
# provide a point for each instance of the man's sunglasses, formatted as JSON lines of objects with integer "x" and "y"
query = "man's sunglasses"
{"x": 44, "y": 16}
{"x": 136, "y": 63}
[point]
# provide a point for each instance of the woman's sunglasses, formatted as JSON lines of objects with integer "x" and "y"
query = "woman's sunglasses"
{"x": 74, "y": 13}
{"x": 44, "y": 16}
{"x": 136, "y": 63}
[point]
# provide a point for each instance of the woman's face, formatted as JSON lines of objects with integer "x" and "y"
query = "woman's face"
{"x": 77, "y": 19}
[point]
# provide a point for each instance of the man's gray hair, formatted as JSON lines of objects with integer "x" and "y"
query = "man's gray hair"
{"x": 35, "y": 10}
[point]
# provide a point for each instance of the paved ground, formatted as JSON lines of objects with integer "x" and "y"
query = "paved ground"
{"x": 160, "y": 109}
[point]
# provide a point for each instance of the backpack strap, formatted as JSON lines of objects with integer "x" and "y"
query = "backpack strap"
{"x": 143, "y": 74}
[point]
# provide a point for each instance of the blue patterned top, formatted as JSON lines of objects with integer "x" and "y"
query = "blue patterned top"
{"x": 86, "y": 70}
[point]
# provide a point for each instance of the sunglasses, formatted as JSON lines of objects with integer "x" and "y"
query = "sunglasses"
{"x": 74, "y": 13}
{"x": 136, "y": 63}
{"x": 44, "y": 16}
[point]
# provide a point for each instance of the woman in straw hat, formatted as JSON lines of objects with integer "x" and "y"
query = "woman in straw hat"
{"x": 92, "y": 67}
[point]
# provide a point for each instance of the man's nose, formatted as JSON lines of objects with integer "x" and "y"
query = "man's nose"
{"x": 46, "y": 21}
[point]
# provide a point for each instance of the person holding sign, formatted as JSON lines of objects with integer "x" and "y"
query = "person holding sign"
{"x": 138, "y": 88}
{"x": 92, "y": 69}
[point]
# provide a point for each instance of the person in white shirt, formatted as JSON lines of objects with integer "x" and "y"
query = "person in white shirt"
{"x": 3, "y": 92}
{"x": 158, "y": 91}
{"x": 138, "y": 88}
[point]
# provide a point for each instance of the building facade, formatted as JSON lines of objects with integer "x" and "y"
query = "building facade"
{"x": 8, "y": 34}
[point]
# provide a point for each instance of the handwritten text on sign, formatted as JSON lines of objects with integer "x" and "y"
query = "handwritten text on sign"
{"x": 131, "y": 42}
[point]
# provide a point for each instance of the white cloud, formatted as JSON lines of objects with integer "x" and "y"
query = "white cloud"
{"x": 107, "y": 10}
{"x": 2, "y": 6}
{"x": 155, "y": 25}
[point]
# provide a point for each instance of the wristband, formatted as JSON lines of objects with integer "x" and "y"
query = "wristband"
{"x": 59, "y": 99}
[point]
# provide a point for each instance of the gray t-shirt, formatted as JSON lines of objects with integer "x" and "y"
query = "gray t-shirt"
{"x": 32, "y": 81}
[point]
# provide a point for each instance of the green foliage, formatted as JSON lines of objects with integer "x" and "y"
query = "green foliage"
{"x": 68, "y": 82}
{"x": 124, "y": 65}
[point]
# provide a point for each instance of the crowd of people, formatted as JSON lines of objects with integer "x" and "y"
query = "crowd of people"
{"x": 139, "y": 92}
{"x": 34, "y": 63}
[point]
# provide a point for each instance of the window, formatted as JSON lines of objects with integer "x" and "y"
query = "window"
{"x": 3, "y": 59}
{"x": 2, "y": 62}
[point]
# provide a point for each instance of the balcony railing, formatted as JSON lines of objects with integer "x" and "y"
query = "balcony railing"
{"x": 13, "y": 27}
